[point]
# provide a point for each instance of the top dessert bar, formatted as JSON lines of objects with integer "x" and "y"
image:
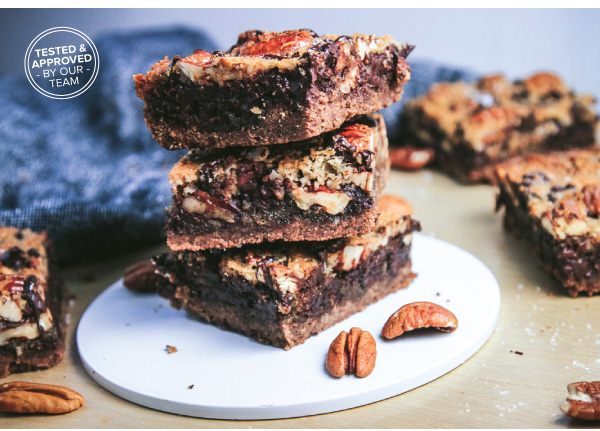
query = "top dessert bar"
{"x": 270, "y": 88}
{"x": 554, "y": 201}
{"x": 31, "y": 300}
{"x": 473, "y": 127}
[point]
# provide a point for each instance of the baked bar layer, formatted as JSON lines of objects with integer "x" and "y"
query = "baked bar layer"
{"x": 283, "y": 293}
{"x": 472, "y": 127}
{"x": 31, "y": 303}
{"x": 322, "y": 188}
{"x": 554, "y": 202}
{"x": 270, "y": 88}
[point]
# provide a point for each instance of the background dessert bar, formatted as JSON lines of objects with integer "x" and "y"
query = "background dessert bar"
{"x": 31, "y": 303}
{"x": 473, "y": 127}
{"x": 554, "y": 202}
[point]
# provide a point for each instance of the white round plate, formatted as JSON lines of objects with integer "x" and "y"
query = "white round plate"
{"x": 122, "y": 339}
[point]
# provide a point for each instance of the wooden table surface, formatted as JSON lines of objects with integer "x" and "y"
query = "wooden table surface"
{"x": 559, "y": 337}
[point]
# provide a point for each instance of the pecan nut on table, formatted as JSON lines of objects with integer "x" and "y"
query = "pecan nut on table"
{"x": 24, "y": 397}
{"x": 350, "y": 353}
{"x": 419, "y": 315}
{"x": 583, "y": 401}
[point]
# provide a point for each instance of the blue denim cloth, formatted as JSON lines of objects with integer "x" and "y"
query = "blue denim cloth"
{"x": 87, "y": 169}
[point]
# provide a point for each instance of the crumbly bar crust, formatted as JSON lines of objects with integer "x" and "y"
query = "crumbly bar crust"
{"x": 472, "y": 127}
{"x": 270, "y": 88}
{"x": 31, "y": 303}
{"x": 282, "y": 293}
{"x": 554, "y": 201}
{"x": 319, "y": 189}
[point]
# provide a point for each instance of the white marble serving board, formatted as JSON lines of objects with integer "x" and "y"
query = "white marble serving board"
{"x": 122, "y": 338}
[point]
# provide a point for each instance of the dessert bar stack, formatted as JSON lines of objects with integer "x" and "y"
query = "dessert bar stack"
{"x": 277, "y": 223}
{"x": 473, "y": 127}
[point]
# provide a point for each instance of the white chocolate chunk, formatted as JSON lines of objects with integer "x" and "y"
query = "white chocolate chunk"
{"x": 27, "y": 330}
{"x": 9, "y": 310}
{"x": 332, "y": 202}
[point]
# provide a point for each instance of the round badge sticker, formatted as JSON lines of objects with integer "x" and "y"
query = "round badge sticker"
{"x": 61, "y": 63}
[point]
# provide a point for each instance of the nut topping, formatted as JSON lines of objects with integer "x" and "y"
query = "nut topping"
{"x": 419, "y": 315}
{"x": 352, "y": 353}
{"x": 140, "y": 277}
{"x": 282, "y": 44}
{"x": 545, "y": 82}
{"x": 24, "y": 397}
{"x": 570, "y": 210}
{"x": 583, "y": 401}
{"x": 410, "y": 158}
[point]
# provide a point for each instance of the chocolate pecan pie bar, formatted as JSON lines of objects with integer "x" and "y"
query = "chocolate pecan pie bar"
{"x": 283, "y": 293}
{"x": 322, "y": 188}
{"x": 554, "y": 201}
{"x": 471, "y": 127}
{"x": 270, "y": 88}
{"x": 31, "y": 303}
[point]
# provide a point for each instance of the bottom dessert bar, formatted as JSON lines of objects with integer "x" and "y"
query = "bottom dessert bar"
{"x": 554, "y": 202}
{"x": 32, "y": 303}
{"x": 283, "y": 293}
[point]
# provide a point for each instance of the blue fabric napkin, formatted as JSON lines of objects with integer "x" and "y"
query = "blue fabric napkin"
{"x": 87, "y": 169}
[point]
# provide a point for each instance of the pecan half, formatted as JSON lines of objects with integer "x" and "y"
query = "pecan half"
{"x": 583, "y": 401}
{"x": 24, "y": 397}
{"x": 140, "y": 277}
{"x": 350, "y": 353}
{"x": 284, "y": 44}
{"x": 357, "y": 135}
{"x": 419, "y": 315}
{"x": 410, "y": 158}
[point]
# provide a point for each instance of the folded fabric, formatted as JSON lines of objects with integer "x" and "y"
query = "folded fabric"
{"x": 87, "y": 169}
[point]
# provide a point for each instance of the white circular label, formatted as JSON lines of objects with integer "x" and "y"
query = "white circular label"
{"x": 61, "y": 63}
